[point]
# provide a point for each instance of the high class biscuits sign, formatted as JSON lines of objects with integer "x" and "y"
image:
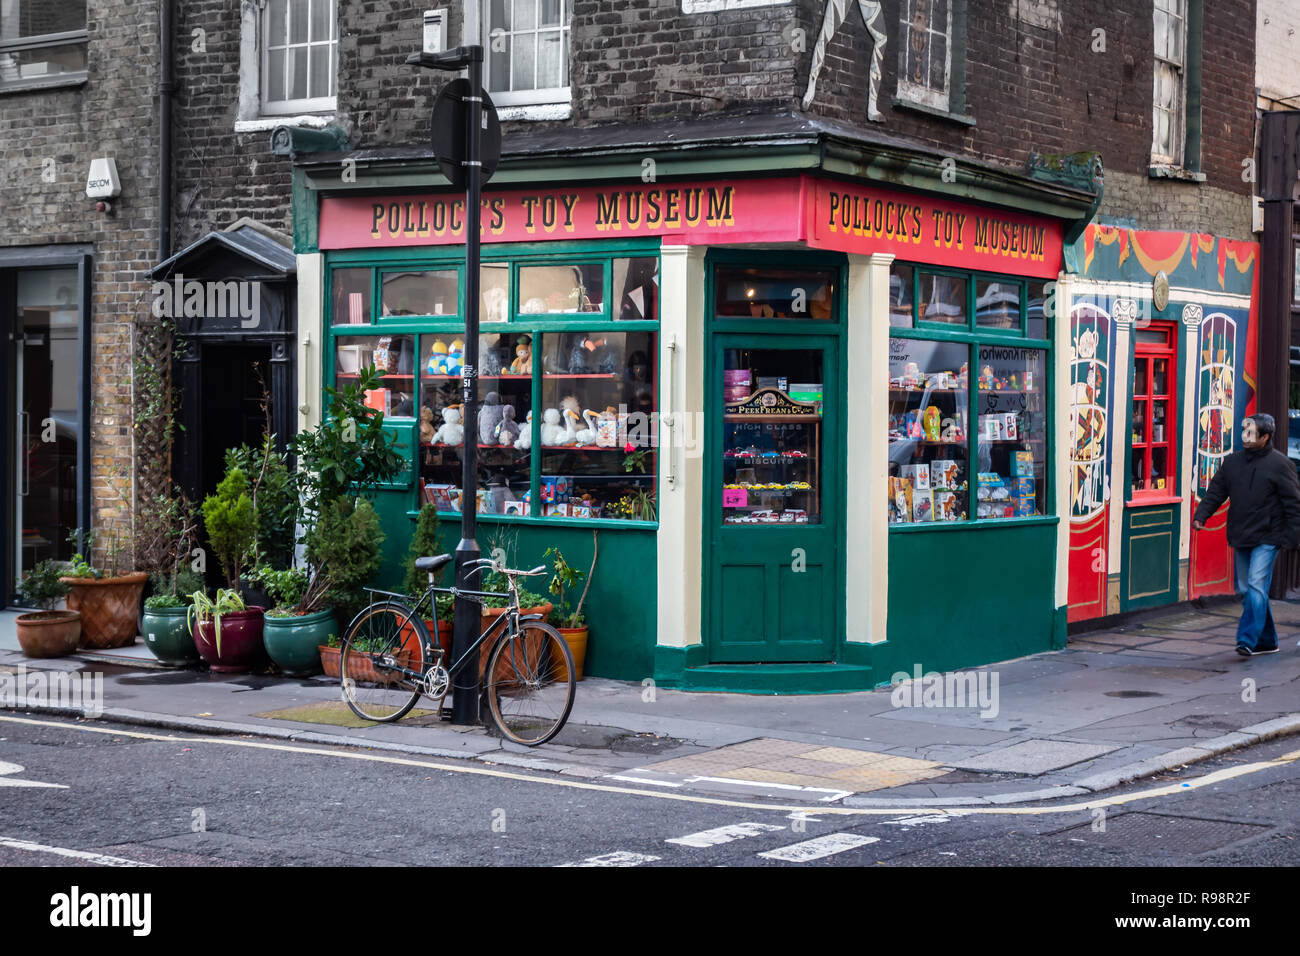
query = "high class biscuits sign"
{"x": 865, "y": 221}
{"x": 695, "y": 212}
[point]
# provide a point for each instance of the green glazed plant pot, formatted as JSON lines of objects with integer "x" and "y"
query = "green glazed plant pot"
{"x": 168, "y": 637}
{"x": 292, "y": 642}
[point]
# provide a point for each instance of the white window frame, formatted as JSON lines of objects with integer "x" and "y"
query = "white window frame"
{"x": 1176, "y": 11}
{"x": 547, "y": 103}
{"x": 315, "y": 104}
{"x": 910, "y": 91}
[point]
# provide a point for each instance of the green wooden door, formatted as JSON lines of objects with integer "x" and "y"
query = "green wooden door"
{"x": 774, "y": 588}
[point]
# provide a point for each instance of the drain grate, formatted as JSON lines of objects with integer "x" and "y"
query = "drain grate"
{"x": 1156, "y": 831}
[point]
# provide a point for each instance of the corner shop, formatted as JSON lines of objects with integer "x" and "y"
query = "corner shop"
{"x": 841, "y": 600}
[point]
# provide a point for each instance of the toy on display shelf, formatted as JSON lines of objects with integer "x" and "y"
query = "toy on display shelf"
{"x": 490, "y": 414}
{"x": 523, "y": 362}
{"x": 426, "y": 424}
{"x": 557, "y": 429}
{"x": 507, "y": 430}
{"x": 900, "y": 499}
{"x": 987, "y": 381}
{"x": 587, "y": 436}
{"x": 607, "y": 428}
{"x": 451, "y": 431}
{"x": 455, "y": 358}
{"x": 525, "y": 440}
{"x": 437, "y": 363}
{"x": 930, "y": 423}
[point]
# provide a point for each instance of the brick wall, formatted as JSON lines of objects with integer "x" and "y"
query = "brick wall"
{"x": 56, "y": 134}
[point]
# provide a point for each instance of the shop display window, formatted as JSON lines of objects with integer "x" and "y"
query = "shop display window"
{"x": 394, "y": 355}
{"x": 901, "y": 297}
{"x": 426, "y": 292}
{"x": 636, "y": 289}
{"x": 772, "y": 436}
{"x": 351, "y": 297}
{"x": 598, "y": 429}
{"x": 1035, "y": 314}
{"x": 929, "y": 402}
{"x": 774, "y": 293}
{"x": 504, "y": 426}
{"x": 1153, "y": 453}
{"x": 556, "y": 289}
{"x": 942, "y": 299}
{"x": 494, "y": 292}
{"x": 1012, "y": 432}
{"x": 997, "y": 305}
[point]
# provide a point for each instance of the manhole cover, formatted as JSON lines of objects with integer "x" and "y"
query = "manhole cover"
{"x": 1155, "y": 831}
{"x": 1131, "y": 693}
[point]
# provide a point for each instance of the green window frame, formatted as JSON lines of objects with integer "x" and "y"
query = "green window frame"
{"x": 974, "y": 337}
{"x": 422, "y": 328}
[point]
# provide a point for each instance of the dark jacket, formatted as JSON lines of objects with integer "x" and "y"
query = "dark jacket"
{"x": 1265, "y": 497}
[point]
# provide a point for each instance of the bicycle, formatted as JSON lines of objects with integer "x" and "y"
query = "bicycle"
{"x": 389, "y": 659}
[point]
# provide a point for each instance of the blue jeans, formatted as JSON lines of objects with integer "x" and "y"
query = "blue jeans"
{"x": 1254, "y": 568}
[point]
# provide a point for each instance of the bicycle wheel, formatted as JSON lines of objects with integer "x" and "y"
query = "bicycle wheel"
{"x": 530, "y": 683}
{"x": 380, "y": 641}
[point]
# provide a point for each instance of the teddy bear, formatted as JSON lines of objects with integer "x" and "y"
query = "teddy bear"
{"x": 523, "y": 363}
{"x": 451, "y": 431}
{"x": 507, "y": 430}
{"x": 489, "y": 416}
{"x": 426, "y": 424}
{"x": 525, "y": 440}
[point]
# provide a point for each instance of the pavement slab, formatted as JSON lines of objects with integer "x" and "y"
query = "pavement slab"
{"x": 1034, "y": 757}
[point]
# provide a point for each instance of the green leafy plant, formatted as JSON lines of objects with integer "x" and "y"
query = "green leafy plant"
{"x": 349, "y": 452}
{"x": 423, "y": 543}
{"x": 41, "y": 587}
{"x": 204, "y": 609}
{"x": 566, "y": 580}
{"x": 635, "y": 458}
{"x": 230, "y": 520}
{"x": 286, "y": 588}
{"x": 79, "y": 567}
{"x": 274, "y": 497}
{"x": 175, "y": 587}
{"x": 112, "y": 543}
{"x": 343, "y": 550}
{"x": 158, "y": 602}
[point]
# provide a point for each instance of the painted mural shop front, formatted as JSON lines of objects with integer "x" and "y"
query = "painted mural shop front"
{"x": 569, "y": 435}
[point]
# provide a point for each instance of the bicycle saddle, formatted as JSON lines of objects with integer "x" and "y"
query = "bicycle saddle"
{"x": 432, "y": 562}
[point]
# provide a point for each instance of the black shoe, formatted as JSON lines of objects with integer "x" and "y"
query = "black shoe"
{"x": 1244, "y": 651}
{"x": 1267, "y": 650}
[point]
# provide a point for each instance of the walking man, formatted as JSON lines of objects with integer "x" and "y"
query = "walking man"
{"x": 1261, "y": 483}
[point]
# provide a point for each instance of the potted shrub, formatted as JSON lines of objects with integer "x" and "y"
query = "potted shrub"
{"x": 108, "y": 599}
{"x": 275, "y": 506}
{"x": 295, "y": 626}
{"x": 168, "y": 526}
{"x": 230, "y": 519}
{"x": 47, "y": 632}
{"x": 227, "y": 634}
{"x": 566, "y": 619}
{"x": 166, "y": 623}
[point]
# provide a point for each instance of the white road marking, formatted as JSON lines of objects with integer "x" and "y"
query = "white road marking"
{"x": 916, "y": 821}
{"x": 831, "y": 795}
{"x": 657, "y": 783}
{"x": 7, "y": 769}
{"x": 1196, "y": 783}
{"x": 99, "y": 858}
{"x": 822, "y": 846}
{"x": 617, "y": 858}
{"x": 719, "y": 835}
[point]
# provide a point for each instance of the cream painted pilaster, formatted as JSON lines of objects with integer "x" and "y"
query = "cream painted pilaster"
{"x": 866, "y": 561}
{"x": 1124, "y": 312}
{"x": 1187, "y": 433}
{"x": 311, "y": 337}
{"x": 1061, "y": 305}
{"x": 682, "y": 359}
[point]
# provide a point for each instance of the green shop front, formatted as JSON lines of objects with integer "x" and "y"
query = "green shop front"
{"x": 803, "y": 423}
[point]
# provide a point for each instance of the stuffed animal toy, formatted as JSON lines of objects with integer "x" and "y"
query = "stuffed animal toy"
{"x": 525, "y": 440}
{"x": 426, "y": 424}
{"x": 437, "y": 359}
{"x": 523, "y": 363}
{"x": 507, "y": 430}
{"x": 587, "y": 436}
{"x": 552, "y": 430}
{"x": 489, "y": 362}
{"x": 489, "y": 416}
{"x": 455, "y": 357}
{"x": 451, "y": 431}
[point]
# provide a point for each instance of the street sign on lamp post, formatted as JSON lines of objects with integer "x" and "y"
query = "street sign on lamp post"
{"x": 460, "y": 108}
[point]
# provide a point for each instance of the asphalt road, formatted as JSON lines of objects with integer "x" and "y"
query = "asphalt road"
{"x": 132, "y": 794}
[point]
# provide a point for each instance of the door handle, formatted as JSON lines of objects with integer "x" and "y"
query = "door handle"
{"x": 24, "y": 429}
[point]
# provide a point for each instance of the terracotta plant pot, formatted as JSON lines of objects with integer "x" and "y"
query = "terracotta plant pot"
{"x": 167, "y": 635}
{"x": 48, "y": 633}
{"x": 490, "y": 614}
{"x": 359, "y": 668}
{"x": 576, "y": 638}
{"x": 292, "y": 641}
{"x": 110, "y": 608}
{"x": 241, "y": 641}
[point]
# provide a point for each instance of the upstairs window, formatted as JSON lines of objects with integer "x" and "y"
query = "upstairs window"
{"x": 299, "y": 56}
{"x": 1169, "y": 99}
{"x": 527, "y": 44}
{"x": 925, "y": 52}
{"x": 42, "y": 42}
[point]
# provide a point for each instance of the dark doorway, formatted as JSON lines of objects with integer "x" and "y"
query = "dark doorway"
{"x": 232, "y": 405}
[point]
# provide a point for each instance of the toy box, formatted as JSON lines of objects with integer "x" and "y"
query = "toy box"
{"x": 944, "y": 473}
{"x": 1025, "y": 506}
{"x": 1022, "y": 487}
{"x": 900, "y": 499}
{"x": 991, "y": 427}
{"x": 946, "y": 506}
{"x": 922, "y": 506}
{"x": 1022, "y": 464}
{"x": 919, "y": 475}
{"x": 516, "y": 508}
{"x": 560, "y": 510}
{"x": 1009, "y": 428}
{"x": 556, "y": 488}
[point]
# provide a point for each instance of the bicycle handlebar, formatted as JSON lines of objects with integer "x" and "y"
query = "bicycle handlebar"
{"x": 510, "y": 572}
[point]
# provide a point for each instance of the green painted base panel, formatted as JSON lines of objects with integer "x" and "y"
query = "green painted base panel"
{"x": 772, "y": 678}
